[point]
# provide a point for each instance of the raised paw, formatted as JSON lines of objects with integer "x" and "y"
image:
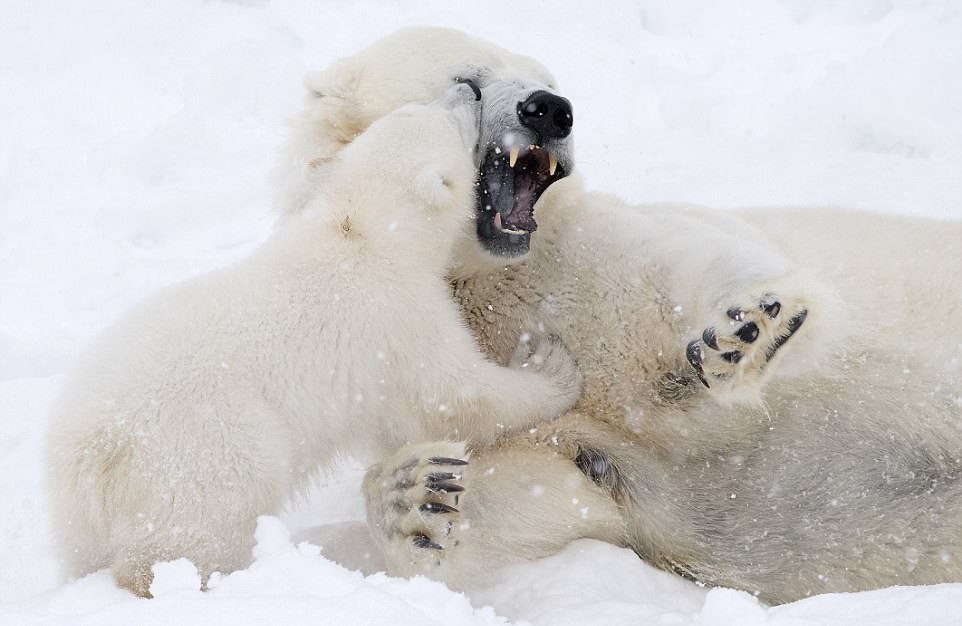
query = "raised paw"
{"x": 413, "y": 505}
{"x": 737, "y": 352}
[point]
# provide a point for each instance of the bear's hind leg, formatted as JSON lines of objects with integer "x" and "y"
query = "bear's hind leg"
{"x": 197, "y": 495}
{"x": 460, "y": 520}
{"x": 229, "y": 550}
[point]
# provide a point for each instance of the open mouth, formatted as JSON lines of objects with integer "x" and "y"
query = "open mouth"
{"x": 509, "y": 186}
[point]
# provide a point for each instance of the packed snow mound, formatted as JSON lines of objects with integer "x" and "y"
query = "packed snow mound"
{"x": 286, "y": 584}
{"x": 294, "y": 584}
{"x": 136, "y": 144}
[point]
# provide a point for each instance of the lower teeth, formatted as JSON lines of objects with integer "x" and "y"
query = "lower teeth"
{"x": 510, "y": 231}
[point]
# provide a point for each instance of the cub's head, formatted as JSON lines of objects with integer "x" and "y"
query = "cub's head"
{"x": 409, "y": 178}
{"x": 524, "y": 144}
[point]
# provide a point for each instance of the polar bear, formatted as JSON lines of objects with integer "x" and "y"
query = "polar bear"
{"x": 771, "y": 398}
{"x": 210, "y": 403}
{"x": 845, "y": 473}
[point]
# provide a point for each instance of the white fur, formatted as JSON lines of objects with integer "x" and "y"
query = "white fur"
{"x": 835, "y": 469}
{"x": 841, "y": 451}
{"x": 412, "y": 65}
{"x": 209, "y": 403}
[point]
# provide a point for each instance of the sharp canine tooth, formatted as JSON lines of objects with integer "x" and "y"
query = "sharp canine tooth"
{"x": 552, "y": 163}
{"x": 513, "y": 155}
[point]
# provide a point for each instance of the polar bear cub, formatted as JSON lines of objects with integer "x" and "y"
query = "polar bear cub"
{"x": 214, "y": 400}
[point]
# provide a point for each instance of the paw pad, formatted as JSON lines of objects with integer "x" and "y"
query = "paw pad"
{"x": 732, "y": 357}
{"x": 747, "y": 333}
{"x": 758, "y": 332}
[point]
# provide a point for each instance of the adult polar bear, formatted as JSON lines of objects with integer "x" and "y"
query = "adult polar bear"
{"x": 835, "y": 468}
{"x": 217, "y": 398}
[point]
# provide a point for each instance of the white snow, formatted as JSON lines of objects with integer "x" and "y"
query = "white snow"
{"x": 135, "y": 140}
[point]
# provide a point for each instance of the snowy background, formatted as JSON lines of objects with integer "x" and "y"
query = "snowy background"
{"x": 135, "y": 141}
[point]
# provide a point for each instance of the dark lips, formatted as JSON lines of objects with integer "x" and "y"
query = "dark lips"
{"x": 509, "y": 186}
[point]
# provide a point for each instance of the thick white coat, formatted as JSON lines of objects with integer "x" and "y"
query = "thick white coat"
{"x": 832, "y": 466}
{"x": 214, "y": 400}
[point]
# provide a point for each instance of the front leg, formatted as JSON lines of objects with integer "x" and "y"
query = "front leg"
{"x": 482, "y": 399}
{"x": 460, "y": 518}
{"x": 743, "y": 304}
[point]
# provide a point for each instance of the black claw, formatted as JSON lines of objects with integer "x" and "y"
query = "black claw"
{"x": 708, "y": 336}
{"x": 693, "y": 352}
{"x": 439, "y": 487}
{"x": 771, "y": 306}
{"x": 748, "y": 333}
{"x": 732, "y": 357}
{"x": 437, "y": 507}
{"x": 695, "y": 358}
{"x": 439, "y": 476}
{"x": 445, "y": 460}
{"x": 793, "y": 325}
{"x": 422, "y": 541}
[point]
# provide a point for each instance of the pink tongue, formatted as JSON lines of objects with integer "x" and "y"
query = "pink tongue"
{"x": 521, "y": 217}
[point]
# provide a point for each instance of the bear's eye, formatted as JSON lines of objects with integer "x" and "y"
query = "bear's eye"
{"x": 478, "y": 75}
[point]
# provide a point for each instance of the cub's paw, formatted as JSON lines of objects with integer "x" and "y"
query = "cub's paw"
{"x": 544, "y": 353}
{"x": 413, "y": 505}
{"x": 737, "y": 352}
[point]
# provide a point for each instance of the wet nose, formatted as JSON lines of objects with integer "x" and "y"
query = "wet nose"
{"x": 546, "y": 114}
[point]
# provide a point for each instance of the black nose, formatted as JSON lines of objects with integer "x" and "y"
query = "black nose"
{"x": 546, "y": 114}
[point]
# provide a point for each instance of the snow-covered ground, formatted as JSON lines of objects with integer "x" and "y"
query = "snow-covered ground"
{"x": 135, "y": 140}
